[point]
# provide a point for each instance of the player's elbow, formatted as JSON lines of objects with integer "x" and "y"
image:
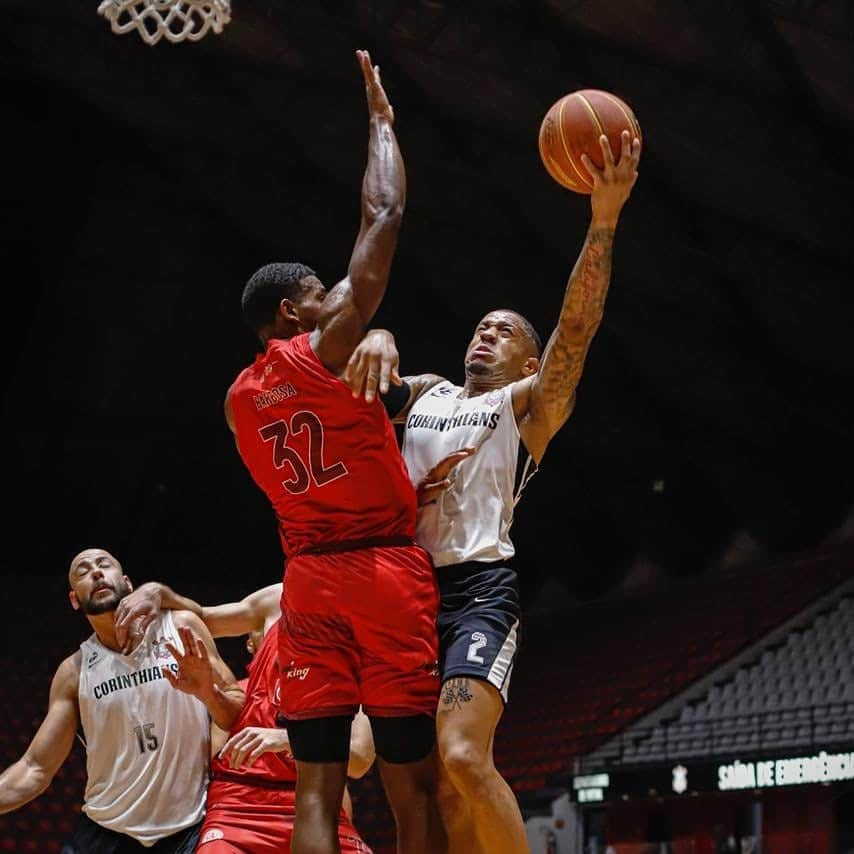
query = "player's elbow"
{"x": 386, "y": 213}
{"x": 34, "y": 779}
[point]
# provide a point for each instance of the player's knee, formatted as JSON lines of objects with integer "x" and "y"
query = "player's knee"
{"x": 323, "y": 740}
{"x": 465, "y": 763}
{"x": 404, "y": 740}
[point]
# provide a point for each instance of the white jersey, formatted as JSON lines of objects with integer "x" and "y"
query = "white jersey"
{"x": 471, "y": 520}
{"x": 147, "y": 744}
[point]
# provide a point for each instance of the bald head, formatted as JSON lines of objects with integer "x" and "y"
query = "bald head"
{"x": 97, "y": 582}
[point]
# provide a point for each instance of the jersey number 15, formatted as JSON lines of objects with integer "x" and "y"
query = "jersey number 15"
{"x": 316, "y": 471}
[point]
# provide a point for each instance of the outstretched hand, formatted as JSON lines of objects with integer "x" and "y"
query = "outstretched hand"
{"x": 613, "y": 183}
{"x": 378, "y": 104}
{"x": 437, "y": 480}
{"x": 373, "y": 365}
{"x": 195, "y": 674}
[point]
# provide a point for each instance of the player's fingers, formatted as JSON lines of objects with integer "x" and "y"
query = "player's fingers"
{"x": 396, "y": 378}
{"x": 357, "y": 371}
{"x": 429, "y": 492}
{"x": 443, "y": 467}
{"x": 170, "y": 677}
{"x": 636, "y": 150}
{"x": 352, "y": 365}
{"x": 186, "y": 641}
{"x": 625, "y": 146}
{"x": 258, "y": 752}
{"x": 595, "y": 172}
{"x": 607, "y": 154}
{"x": 226, "y": 748}
{"x": 388, "y": 364}
{"x": 373, "y": 377}
{"x": 193, "y": 645}
{"x": 175, "y": 652}
{"x": 143, "y": 623}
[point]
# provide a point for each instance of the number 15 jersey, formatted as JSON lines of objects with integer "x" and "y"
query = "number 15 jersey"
{"x": 328, "y": 462}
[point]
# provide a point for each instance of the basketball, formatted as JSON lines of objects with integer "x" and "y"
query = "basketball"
{"x": 572, "y": 127}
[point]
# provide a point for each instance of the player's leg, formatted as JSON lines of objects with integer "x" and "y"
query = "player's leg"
{"x": 469, "y": 711}
{"x": 319, "y": 696}
{"x": 408, "y": 765}
{"x": 396, "y": 631}
{"x": 320, "y": 748}
{"x": 479, "y": 634}
{"x": 456, "y": 817}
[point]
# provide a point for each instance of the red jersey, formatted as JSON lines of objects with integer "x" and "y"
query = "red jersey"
{"x": 260, "y": 709}
{"x": 328, "y": 462}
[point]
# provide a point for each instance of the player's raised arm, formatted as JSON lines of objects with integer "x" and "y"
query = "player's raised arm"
{"x": 33, "y": 772}
{"x": 544, "y": 401}
{"x": 350, "y": 305}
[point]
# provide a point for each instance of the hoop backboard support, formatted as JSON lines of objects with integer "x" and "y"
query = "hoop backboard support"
{"x": 174, "y": 20}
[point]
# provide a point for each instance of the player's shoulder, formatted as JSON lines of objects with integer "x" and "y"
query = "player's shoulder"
{"x": 68, "y": 673}
{"x": 430, "y": 385}
{"x": 268, "y": 597}
{"x": 188, "y": 620}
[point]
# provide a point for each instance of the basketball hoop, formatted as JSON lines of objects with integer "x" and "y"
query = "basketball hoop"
{"x": 174, "y": 20}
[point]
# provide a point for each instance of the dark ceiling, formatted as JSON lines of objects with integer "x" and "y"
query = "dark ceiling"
{"x": 144, "y": 184}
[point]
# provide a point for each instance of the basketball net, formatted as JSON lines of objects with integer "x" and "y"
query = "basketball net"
{"x": 174, "y": 20}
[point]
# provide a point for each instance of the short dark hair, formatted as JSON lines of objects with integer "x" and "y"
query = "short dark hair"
{"x": 532, "y": 333}
{"x": 266, "y": 289}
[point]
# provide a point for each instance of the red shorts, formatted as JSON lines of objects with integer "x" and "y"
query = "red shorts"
{"x": 242, "y": 819}
{"x": 359, "y": 628}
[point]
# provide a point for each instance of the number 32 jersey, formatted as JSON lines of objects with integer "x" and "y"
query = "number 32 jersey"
{"x": 328, "y": 462}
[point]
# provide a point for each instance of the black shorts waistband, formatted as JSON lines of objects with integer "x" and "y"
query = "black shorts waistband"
{"x": 470, "y": 566}
{"x": 355, "y": 545}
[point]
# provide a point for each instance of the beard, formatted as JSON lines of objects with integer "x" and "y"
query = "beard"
{"x": 478, "y": 368}
{"x": 105, "y": 603}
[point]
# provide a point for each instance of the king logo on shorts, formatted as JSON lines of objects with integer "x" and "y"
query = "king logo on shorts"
{"x": 294, "y": 672}
{"x": 211, "y": 835}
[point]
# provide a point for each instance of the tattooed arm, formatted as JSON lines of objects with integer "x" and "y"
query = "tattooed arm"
{"x": 543, "y": 402}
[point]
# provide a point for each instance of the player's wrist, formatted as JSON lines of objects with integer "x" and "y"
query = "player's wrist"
{"x": 604, "y": 219}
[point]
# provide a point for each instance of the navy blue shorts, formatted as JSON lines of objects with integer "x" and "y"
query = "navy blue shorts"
{"x": 89, "y": 837}
{"x": 479, "y": 622}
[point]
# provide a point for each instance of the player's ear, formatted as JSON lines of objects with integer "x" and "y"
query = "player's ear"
{"x": 72, "y": 598}
{"x": 531, "y": 366}
{"x": 128, "y": 582}
{"x": 288, "y": 310}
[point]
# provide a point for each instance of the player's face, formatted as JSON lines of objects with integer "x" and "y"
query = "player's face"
{"x": 311, "y": 299}
{"x": 97, "y": 582}
{"x": 500, "y": 345}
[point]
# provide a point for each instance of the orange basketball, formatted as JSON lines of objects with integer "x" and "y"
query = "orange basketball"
{"x": 572, "y": 127}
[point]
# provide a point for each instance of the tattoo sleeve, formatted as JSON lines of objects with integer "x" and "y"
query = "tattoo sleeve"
{"x": 580, "y": 316}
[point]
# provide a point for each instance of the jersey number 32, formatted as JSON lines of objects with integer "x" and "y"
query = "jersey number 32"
{"x": 304, "y": 473}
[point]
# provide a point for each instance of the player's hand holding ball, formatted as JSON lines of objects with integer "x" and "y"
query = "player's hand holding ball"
{"x": 590, "y": 142}
{"x": 613, "y": 183}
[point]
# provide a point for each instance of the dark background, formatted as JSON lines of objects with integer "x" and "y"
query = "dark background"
{"x": 143, "y": 185}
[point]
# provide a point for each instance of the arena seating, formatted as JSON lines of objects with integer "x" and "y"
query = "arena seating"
{"x": 799, "y": 693}
{"x": 583, "y": 677}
